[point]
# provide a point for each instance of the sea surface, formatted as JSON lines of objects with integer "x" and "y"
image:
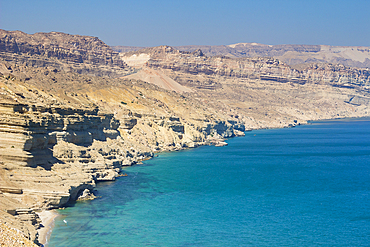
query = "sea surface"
{"x": 302, "y": 186}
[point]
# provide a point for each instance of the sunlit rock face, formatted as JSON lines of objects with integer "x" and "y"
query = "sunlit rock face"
{"x": 73, "y": 112}
{"x": 353, "y": 56}
{"x": 81, "y": 54}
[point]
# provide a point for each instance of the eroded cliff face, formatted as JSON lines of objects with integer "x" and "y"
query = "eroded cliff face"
{"x": 262, "y": 68}
{"x": 353, "y": 56}
{"x": 60, "y": 135}
{"x": 81, "y": 54}
{"x": 72, "y": 113}
{"x": 50, "y": 156}
{"x": 262, "y": 92}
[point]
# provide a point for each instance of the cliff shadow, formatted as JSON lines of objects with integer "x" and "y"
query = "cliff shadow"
{"x": 44, "y": 158}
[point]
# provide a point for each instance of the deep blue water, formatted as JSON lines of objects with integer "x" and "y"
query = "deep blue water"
{"x": 303, "y": 186}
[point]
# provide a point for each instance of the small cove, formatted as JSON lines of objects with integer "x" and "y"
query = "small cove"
{"x": 303, "y": 186}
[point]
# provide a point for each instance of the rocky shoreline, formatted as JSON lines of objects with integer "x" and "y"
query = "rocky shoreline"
{"x": 47, "y": 217}
{"x": 57, "y": 155}
{"x": 73, "y": 112}
{"x": 57, "y": 200}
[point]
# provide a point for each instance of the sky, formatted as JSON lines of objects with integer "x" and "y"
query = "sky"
{"x": 196, "y": 22}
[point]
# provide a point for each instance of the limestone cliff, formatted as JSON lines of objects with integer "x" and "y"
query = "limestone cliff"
{"x": 263, "y": 92}
{"x": 354, "y": 56}
{"x": 60, "y": 135}
{"x": 81, "y": 54}
{"x": 73, "y": 112}
{"x": 196, "y": 63}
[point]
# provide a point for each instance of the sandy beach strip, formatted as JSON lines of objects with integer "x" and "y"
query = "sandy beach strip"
{"x": 47, "y": 217}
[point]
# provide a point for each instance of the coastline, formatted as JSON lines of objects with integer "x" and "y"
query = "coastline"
{"x": 71, "y": 121}
{"x": 48, "y": 216}
{"x": 233, "y": 143}
{"x": 47, "y": 220}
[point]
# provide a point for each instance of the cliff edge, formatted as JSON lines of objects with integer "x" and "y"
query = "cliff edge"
{"x": 73, "y": 112}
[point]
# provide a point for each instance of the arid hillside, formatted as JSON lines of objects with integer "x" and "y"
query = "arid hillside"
{"x": 263, "y": 92}
{"x": 75, "y": 53}
{"x": 354, "y": 56}
{"x": 73, "y": 112}
{"x": 62, "y": 130}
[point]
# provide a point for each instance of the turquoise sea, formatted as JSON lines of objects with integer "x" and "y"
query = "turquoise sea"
{"x": 302, "y": 186}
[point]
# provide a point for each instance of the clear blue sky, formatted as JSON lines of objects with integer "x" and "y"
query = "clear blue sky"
{"x": 196, "y": 22}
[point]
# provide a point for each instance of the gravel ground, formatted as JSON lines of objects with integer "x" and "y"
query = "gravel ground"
{"x": 12, "y": 238}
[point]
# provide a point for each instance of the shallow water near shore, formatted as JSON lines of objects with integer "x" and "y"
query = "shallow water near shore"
{"x": 303, "y": 186}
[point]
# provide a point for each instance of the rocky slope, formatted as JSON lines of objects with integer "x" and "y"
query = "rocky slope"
{"x": 354, "y": 56}
{"x": 73, "y": 112}
{"x": 255, "y": 68}
{"x": 60, "y": 133}
{"x": 11, "y": 237}
{"x": 81, "y": 54}
{"x": 263, "y": 92}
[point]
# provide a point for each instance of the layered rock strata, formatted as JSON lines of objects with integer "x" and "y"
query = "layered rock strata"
{"x": 72, "y": 113}
{"x": 82, "y": 54}
{"x": 354, "y": 56}
{"x": 262, "y": 92}
{"x": 55, "y": 144}
{"x": 49, "y": 156}
{"x": 268, "y": 69}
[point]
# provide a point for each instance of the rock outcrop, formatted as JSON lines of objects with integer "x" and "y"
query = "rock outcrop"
{"x": 354, "y": 56}
{"x": 50, "y": 156}
{"x": 81, "y": 54}
{"x": 55, "y": 145}
{"x": 72, "y": 113}
{"x": 263, "y": 92}
{"x": 268, "y": 69}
